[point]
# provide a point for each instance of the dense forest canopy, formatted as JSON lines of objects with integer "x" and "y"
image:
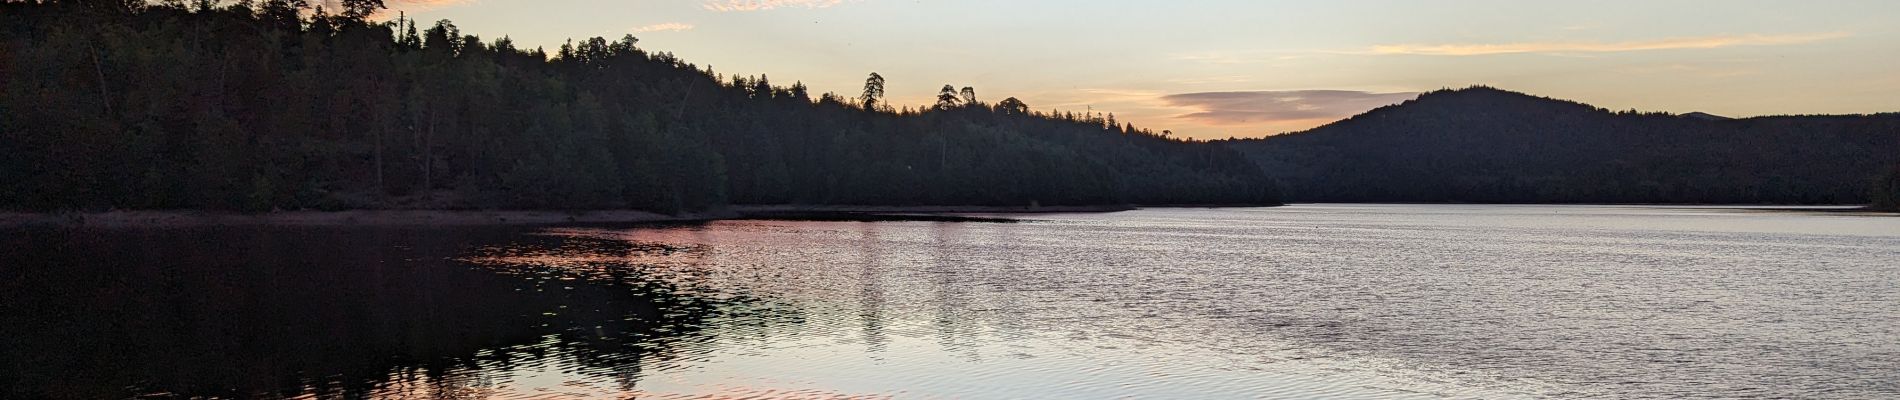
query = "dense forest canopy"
{"x": 1886, "y": 190}
{"x": 1484, "y": 145}
{"x": 276, "y": 104}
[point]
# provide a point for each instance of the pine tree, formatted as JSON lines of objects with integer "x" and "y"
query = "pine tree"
{"x": 1012, "y": 106}
{"x": 947, "y": 98}
{"x": 359, "y": 10}
{"x": 873, "y": 92}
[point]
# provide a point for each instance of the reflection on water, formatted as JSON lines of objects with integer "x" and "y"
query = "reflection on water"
{"x": 1302, "y": 302}
{"x": 328, "y": 312}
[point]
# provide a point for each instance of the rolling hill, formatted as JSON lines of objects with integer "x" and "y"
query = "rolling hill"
{"x": 1486, "y": 145}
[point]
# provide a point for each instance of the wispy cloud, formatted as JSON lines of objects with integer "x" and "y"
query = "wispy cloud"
{"x": 1589, "y": 26}
{"x": 1246, "y": 56}
{"x": 1268, "y": 107}
{"x": 761, "y": 5}
{"x": 665, "y": 27}
{"x": 1206, "y": 80}
{"x": 1710, "y": 69}
{"x": 395, "y": 8}
{"x": 1706, "y": 42}
{"x": 419, "y": 5}
{"x": 1105, "y": 95}
{"x": 1100, "y": 99}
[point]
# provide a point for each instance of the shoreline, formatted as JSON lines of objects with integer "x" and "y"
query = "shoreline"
{"x": 990, "y": 214}
{"x": 1811, "y": 208}
{"x": 928, "y": 210}
{"x": 981, "y": 214}
{"x": 202, "y": 218}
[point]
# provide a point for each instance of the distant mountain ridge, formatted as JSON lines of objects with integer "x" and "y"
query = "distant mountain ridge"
{"x": 1483, "y": 144}
{"x": 1706, "y": 116}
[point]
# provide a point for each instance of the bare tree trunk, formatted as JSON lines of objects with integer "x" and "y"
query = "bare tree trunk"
{"x": 382, "y": 113}
{"x": 684, "y": 99}
{"x": 381, "y": 127}
{"x": 99, "y": 70}
{"x": 415, "y": 135}
{"x": 428, "y": 158}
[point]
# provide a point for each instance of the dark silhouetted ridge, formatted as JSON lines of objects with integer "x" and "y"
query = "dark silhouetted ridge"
{"x": 266, "y": 105}
{"x": 1705, "y": 116}
{"x": 1484, "y": 144}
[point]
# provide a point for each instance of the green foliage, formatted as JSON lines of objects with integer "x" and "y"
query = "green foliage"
{"x": 1483, "y": 145}
{"x": 273, "y": 107}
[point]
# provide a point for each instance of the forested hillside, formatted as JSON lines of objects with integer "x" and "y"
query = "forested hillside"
{"x": 1485, "y": 145}
{"x": 259, "y": 105}
{"x": 1886, "y": 192}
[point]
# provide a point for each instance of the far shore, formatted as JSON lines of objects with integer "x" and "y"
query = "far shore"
{"x": 190, "y": 218}
{"x": 1851, "y": 209}
{"x": 1830, "y": 209}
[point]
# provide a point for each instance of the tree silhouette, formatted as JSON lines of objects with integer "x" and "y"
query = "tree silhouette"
{"x": 762, "y": 88}
{"x": 361, "y": 9}
{"x": 947, "y": 98}
{"x": 969, "y": 96}
{"x": 800, "y": 92}
{"x": 873, "y": 92}
{"x": 1012, "y": 106}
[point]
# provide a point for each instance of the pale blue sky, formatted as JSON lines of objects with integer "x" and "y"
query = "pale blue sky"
{"x": 1145, "y": 61}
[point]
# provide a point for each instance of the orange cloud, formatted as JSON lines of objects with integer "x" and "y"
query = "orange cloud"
{"x": 1279, "y": 107}
{"x": 419, "y": 5}
{"x": 1708, "y": 42}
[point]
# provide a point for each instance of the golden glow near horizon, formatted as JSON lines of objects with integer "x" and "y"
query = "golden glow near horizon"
{"x": 1220, "y": 68}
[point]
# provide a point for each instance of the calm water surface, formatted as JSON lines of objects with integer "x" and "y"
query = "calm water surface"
{"x": 1310, "y": 301}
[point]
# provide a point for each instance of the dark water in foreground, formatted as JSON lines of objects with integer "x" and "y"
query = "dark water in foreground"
{"x": 1301, "y": 301}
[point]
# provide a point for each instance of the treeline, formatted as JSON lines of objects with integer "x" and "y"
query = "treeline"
{"x": 1483, "y": 145}
{"x": 275, "y": 104}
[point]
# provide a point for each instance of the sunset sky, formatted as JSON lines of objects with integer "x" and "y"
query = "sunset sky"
{"x": 1248, "y": 68}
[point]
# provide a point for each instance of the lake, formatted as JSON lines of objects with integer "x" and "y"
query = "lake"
{"x": 1304, "y": 301}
